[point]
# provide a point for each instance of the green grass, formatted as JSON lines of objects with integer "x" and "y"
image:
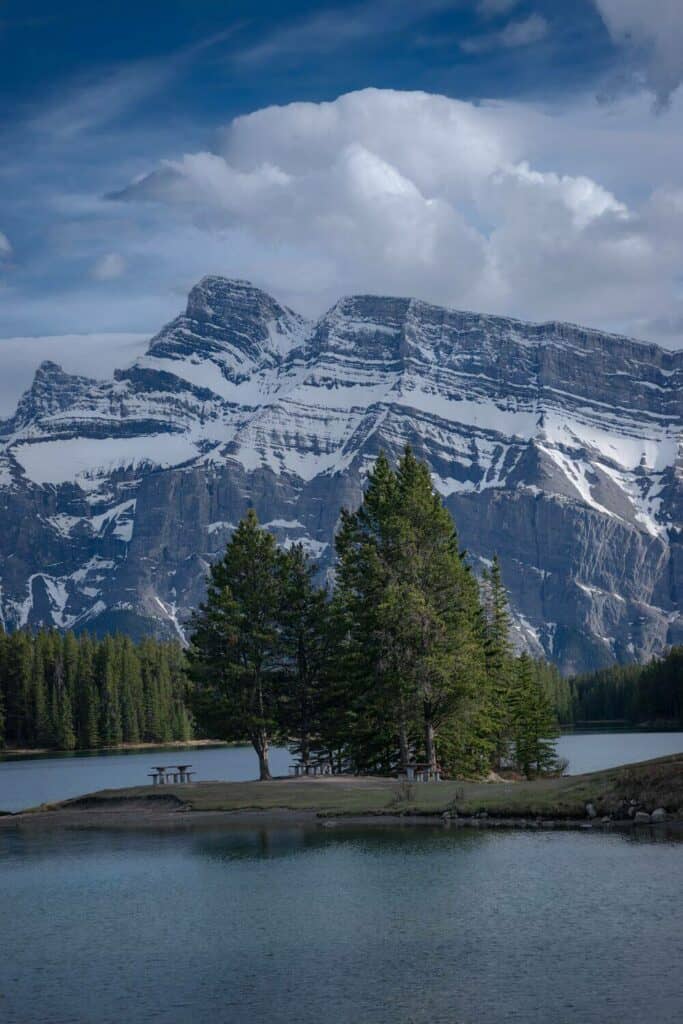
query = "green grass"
{"x": 652, "y": 784}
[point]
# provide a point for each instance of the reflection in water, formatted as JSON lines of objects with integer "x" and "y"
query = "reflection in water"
{"x": 392, "y": 925}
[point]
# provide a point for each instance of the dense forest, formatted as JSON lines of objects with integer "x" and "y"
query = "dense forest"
{"x": 635, "y": 694}
{"x": 67, "y": 692}
{"x": 409, "y": 659}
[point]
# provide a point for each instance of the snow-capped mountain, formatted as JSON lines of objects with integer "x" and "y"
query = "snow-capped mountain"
{"x": 556, "y": 446}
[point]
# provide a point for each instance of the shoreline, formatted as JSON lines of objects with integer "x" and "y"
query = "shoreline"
{"x": 647, "y": 794}
{"x": 137, "y": 819}
{"x": 119, "y": 748}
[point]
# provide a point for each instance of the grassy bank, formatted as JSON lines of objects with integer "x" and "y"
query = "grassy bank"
{"x": 648, "y": 785}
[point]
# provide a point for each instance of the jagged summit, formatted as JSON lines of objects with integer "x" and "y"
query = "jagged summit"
{"x": 217, "y": 298}
{"x": 556, "y": 446}
{"x": 233, "y": 323}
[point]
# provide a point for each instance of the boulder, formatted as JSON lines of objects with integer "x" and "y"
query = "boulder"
{"x": 590, "y": 811}
{"x": 641, "y": 818}
{"x": 659, "y": 814}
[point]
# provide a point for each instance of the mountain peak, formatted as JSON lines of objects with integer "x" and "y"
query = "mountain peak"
{"x": 232, "y": 323}
{"x": 214, "y": 298}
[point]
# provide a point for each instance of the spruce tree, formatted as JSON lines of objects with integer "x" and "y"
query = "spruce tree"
{"x": 87, "y": 697}
{"x": 413, "y": 612}
{"x": 235, "y": 651}
{"x": 499, "y": 663}
{"x": 304, "y": 637}
{"x": 110, "y": 730}
{"x": 42, "y": 731}
{"x": 534, "y": 725}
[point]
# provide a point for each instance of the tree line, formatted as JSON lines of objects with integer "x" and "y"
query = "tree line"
{"x": 634, "y": 694}
{"x": 76, "y": 692}
{"x": 407, "y": 659}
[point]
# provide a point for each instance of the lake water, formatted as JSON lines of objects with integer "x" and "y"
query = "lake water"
{"x": 384, "y": 926}
{"x": 27, "y": 782}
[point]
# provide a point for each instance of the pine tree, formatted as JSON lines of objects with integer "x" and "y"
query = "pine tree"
{"x": 87, "y": 698}
{"x": 413, "y": 613}
{"x": 62, "y": 715}
{"x": 42, "y": 731}
{"x": 108, "y": 670}
{"x": 533, "y": 722}
{"x": 499, "y": 663}
{"x": 304, "y": 636}
{"x": 130, "y": 690}
{"x": 235, "y": 651}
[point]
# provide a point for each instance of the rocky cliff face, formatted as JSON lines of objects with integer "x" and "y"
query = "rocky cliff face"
{"x": 557, "y": 447}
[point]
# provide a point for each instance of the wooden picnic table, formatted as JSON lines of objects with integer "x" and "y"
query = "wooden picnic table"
{"x": 162, "y": 774}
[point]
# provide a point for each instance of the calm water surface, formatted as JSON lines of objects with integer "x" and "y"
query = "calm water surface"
{"x": 27, "y": 782}
{"x": 412, "y": 926}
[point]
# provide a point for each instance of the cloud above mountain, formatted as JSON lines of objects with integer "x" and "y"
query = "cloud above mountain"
{"x": 414, "y": 193}
{"x": 652, "y": 34}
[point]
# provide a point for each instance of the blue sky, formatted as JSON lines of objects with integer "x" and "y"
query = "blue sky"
{"x": 518, "y": 156}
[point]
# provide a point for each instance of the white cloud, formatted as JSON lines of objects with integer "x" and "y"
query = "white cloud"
{"x": 411, "y": 193}
{"x": 5, "y": 247}
{"x": 653, "y": 34}
{"x": 515, "y": 34}
{"x": 109, "y": 267}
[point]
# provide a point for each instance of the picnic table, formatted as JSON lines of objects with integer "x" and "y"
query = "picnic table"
{"x": 162, "y": 774}
{"x": 312, "y": 768}
{"x": 422, "y": 773}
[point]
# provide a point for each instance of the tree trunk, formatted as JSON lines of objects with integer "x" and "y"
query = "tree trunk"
{"x": 403, "y": 746}
{"x": 260, "y": 744}
{"x": 430, "y": 750}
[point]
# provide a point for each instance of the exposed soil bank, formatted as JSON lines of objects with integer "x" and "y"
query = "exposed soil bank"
{"x": 649, "y": 794}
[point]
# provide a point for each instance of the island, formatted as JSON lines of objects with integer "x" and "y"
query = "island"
{"x": 645, "y": 794}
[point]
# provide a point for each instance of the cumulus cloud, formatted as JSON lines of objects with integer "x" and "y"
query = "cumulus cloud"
{"x": 515, "y": 34}
{"x": 411, "y": 193}
{"x": 5, "y": 247}
{"x": 109, "y": 267}
{"x": 653, "y": 35}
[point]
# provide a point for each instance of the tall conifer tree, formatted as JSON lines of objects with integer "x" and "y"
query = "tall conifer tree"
{"x": 235, "y": 648}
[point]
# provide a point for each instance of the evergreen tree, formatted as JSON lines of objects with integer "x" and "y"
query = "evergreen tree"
{"x": 499, "y": 661}
{"x": 108, "y": 671}
{"x": 42, "y": 732}
{"x": 413, "y": 613}
{"x": 62, "y": 716}
{"x": 87, "y": 697}
{"x": 235, "y": 651}
{"x": 304, "y": 636}
{"x": 64, "y": 691}
{"x": 534, "y": 725}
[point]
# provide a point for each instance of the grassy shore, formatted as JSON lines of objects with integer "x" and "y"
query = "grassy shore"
{"x": 647, "y": 786}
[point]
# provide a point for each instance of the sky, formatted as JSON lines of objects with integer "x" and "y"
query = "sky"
{"x": 521, "y": 157}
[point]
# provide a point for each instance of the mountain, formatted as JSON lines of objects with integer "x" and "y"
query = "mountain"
{"x": 556, "y": 446}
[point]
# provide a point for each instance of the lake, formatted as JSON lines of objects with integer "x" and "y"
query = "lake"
{"x": 384, "y": 926}
{"x": 27, "y": 782}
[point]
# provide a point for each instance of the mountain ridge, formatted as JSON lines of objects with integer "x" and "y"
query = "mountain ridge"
{"x": 556, "y": 445}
